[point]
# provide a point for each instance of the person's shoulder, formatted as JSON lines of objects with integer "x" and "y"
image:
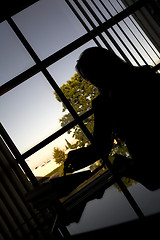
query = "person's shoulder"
{"x": 146, "y": 79}
{"x": 148, "y": 72}
{"x": 99, "y": 100}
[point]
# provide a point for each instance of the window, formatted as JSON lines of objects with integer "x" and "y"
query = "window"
{"x": 40, "y": 46}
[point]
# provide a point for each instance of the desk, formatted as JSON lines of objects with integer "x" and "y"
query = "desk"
{"x": 69, "y": 208}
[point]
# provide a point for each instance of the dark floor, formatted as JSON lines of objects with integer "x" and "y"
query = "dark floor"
{"x": 137, "y": 229}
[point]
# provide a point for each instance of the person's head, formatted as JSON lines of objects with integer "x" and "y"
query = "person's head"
{"x": 99, "y": 66}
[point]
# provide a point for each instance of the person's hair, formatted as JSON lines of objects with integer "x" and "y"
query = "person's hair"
{"x": 95, "y": 60}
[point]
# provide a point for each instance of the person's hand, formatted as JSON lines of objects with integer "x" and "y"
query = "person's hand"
{"x": 70, "y": 162}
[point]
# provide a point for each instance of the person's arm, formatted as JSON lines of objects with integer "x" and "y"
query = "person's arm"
{"x": 103, "y": 126}
{"x": 102, "y": 143}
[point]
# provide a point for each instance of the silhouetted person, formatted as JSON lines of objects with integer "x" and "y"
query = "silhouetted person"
{"x": 128, "y": 107}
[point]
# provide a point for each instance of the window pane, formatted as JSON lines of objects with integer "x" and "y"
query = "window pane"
{"x": 14, "y": 59}
{"x": 48, "y": 26}
{"x": 30, "y": 112}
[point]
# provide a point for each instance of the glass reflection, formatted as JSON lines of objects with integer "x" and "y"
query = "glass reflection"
{"x": 148, "y": 201}
{"x": 111, "y": 209}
